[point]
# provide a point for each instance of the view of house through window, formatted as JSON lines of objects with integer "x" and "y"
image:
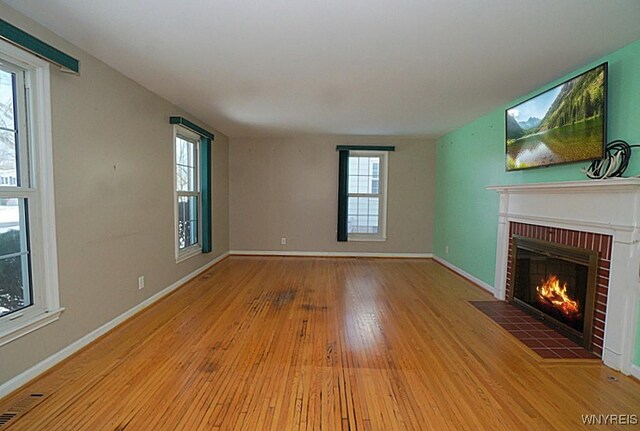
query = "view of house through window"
{"x": 15, "y": 277}
{"x": 366, "y": 203}
{"x": 187, "y": 192}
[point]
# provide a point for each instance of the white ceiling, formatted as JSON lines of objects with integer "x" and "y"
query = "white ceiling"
{"x": 365, "y": 67}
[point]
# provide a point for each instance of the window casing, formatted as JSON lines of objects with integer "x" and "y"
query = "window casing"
{"x": 29, "y": 297}
{"x": 188, "y": 198}
{"x": 367, "y": 196}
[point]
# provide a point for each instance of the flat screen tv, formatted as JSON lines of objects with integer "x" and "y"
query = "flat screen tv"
{"x": 565, "y": 124}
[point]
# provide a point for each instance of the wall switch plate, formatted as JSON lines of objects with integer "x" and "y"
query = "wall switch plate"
{"x": 283, "y": 241}
{"x": 446, "y": 249}
{"x": 141, "y": 282}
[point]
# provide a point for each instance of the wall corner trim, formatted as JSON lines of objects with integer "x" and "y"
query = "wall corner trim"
{"x": 475, "y": 280}
{"x": 42, "y": 366}
{"x": 635, "y": 371}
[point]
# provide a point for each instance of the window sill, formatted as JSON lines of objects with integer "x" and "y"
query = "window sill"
{"x": 188, "y": 253}
{"x": 364, "y": 238}
{"x": 36, "y": 322}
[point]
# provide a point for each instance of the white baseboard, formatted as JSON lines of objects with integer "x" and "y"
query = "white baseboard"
{"x": 326, "y": 254}
{"x": 33, "y": 372}
{"x": 486, "y": 286}
{"x": 635, "y": 371}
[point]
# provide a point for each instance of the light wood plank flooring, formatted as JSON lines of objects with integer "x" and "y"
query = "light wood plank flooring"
{"x": 316, "y": 343}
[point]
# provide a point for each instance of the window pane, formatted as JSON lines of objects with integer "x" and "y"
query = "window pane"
{"x": 363, "y": 168}
{"x": 353, "y": 165}
{"x": 375, "y": 186}
{"x": 363, "y": 215}
{"x": 185, "y": 179}
{"x": 364, "y": 175}
{"x": 185, "y": 152}
{"x": 363, "y": 205}
{"x": 187, "y": 221}
{"x": 351, "y": 223}
{"x": 182, "y": 157}
{"x": 7, "y": 92}
{"x": 8, "y": 165}
{"x": 8, "y": 151}
{"x": 373, "y": 206}
{"x": 10, "y": 226}
{"x": 185, "y": 165}
{"x": 362, "y": 184}
{"x": 15, "y": 286}
{"x": 362, "y": 223}
{"x": 353, "y": 184}
{"x": 352, "y": 208}
{"x": 373, "y": 224}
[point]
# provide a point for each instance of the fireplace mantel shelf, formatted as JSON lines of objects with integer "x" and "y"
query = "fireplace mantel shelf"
{"x": 607, "y": 207}
{"x": 611, "y": 184}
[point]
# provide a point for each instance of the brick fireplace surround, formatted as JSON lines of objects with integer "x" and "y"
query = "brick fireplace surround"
{"x": 586, "y": 240}
{"x": 601, "y": 215}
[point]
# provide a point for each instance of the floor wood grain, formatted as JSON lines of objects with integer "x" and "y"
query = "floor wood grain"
{"x": 275, "y": 343}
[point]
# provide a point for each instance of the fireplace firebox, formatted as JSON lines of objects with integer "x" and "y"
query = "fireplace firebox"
{"x": 556, "y": 284}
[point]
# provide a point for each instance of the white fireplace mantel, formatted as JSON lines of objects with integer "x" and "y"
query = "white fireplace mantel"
{"x": 610, "y": 207}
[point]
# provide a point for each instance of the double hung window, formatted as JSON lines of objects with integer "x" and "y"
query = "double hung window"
{"x": 366, "y": 209}
{"x": 28, "y": 262}
{"x": 187, "y": 193}
{"x": 362, "y": 192}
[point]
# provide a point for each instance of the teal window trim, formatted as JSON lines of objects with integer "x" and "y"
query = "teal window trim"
{"x": 191, "y": 126}
{"x": 206, "y": 139}
{"x": 24, "y": 40}
{"x": 343, "y": 186}
{"x": 365, "y": 148}
{"x": 205, "y": 193}
{"x": 343, "y": 182}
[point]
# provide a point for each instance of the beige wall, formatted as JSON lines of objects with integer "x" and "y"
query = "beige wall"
{"x": 288, "y": 188}
{"x": 114, "y": 200}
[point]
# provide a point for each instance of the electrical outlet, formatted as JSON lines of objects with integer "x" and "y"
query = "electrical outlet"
{"x": 283, "y": 241}
{"x": 141, "y": 282}
{"x": 446, "y": 249}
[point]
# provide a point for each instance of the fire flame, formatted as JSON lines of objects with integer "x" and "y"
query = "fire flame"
{"x": 551, "y": 294}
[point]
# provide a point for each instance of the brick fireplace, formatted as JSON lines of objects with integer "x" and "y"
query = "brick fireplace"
{"x": 597, "y": 216}
{"x": 599, "y": 243}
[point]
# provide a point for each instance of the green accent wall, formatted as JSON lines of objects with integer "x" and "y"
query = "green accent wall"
{"x": 472, "y": 157}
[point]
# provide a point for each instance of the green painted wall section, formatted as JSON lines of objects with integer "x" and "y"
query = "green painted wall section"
{"x": 472, "y": 157}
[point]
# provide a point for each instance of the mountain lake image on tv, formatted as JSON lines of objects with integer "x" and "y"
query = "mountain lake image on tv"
{"x": 562, "y": 125}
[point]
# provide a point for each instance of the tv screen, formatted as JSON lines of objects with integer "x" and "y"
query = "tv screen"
{"x": 565, "y": 124}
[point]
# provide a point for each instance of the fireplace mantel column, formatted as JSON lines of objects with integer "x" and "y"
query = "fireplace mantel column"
{"x": 502, "y": 251}
{"x": 622, "y": 307}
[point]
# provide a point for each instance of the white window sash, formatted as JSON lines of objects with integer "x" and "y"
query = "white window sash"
{"x": 382, "y": 196}
{"x": 36, "y": 171}
{"x": 182, "y": 254}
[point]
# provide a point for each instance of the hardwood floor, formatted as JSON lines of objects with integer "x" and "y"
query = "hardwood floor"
{"x": 315, "y": 343}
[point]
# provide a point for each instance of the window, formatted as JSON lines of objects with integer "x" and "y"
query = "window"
{"x": 366, "y": 204}
{"x": 187, "y": 197}
{"x": 28, "y": 262}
